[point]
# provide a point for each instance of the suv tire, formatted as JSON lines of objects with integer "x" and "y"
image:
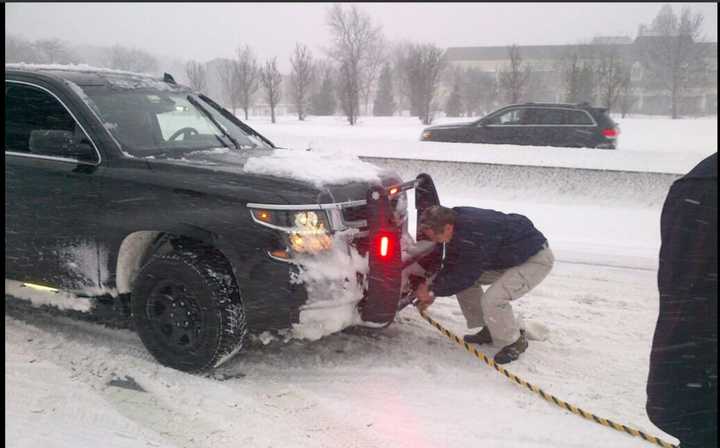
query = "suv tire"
{"x": 187, "y": 310}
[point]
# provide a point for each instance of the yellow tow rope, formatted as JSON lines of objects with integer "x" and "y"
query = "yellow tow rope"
{"x": 550, "y": 398}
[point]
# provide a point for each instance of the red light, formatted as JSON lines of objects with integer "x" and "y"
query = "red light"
{"x": 610, "y": 133}
{"x": 393, "y": 190}
{"x": 384, "y": 246}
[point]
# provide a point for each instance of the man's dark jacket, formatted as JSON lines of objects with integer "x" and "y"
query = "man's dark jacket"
{"x": 484, "y": 240}
{"x": 682, "y": 382}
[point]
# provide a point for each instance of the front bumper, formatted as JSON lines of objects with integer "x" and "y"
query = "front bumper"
{"x": 367, "y": 270}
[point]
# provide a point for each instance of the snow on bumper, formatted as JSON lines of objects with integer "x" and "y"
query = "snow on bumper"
{"x": 334, "y": 285}
{"x": 336, "y": 282}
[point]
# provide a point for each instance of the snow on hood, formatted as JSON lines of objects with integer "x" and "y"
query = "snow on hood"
{"x": 317, "y": 168}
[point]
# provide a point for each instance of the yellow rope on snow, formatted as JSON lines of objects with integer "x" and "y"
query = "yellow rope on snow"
{"x": 548, "y": 397}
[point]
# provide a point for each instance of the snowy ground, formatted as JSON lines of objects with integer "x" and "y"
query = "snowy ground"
{"x": 406, "y": 386}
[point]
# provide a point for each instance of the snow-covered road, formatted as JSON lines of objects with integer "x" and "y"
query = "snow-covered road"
{"x": 406, "y": 386}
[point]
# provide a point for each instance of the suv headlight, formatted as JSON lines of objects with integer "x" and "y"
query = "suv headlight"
{"x": 305, "y": 231}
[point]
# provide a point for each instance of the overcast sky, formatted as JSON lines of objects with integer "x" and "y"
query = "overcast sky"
{"x": 204, "y": 31}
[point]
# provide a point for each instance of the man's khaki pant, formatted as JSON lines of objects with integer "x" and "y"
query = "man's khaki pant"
{"x": 492, "y": 307}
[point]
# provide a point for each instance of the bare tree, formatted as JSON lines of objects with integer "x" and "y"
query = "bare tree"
{"x": 399, "y": 55}
{"x": 18, "y": 49}
{"x": 671, "y": 54}
{"x": 54, "y": 51}
{"x": 271, "y": 80}
{"x": 572, "y": 71}
{"x": 301, "y": 78}
{"x": 348, "y": 92}
{"x": 197, "y": 75}
{"x": 513, "y": 79}
{"x": 353, "y": 37}
{"x": 322, "y": 100}
{"x": 375, "y": 60}
{"x": 247, "y": 72}
{"x": 478, "y": 91}
{"x": 227, "y": 73}
{"x": 611, "y": 73}
{"x": 421, "y": 66}
{"x": 626, "y": 100}
{"x": 132, "y": 59}
{"x": 453, "y": 105}
{"x": 384, "y": 105}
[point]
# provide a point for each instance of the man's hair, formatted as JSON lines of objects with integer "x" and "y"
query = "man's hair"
{"x": 436, "y": 217}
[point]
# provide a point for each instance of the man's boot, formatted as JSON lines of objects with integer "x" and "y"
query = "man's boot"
{"x": 481, "y": 337}
{"x": 512, "y": 352}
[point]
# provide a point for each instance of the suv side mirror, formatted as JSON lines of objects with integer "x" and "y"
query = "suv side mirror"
{"x": 50, "y": 142}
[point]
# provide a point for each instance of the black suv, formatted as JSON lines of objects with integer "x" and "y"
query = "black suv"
{"x": 536, "y": 124}
{"x": 139, "y": 195}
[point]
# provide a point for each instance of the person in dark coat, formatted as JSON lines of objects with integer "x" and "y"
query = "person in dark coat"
{"x": 486, "y": 247}
{"x": 682, "y": 382}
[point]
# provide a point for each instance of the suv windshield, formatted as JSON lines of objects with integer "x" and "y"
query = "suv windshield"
{"x": 166, "y": 123}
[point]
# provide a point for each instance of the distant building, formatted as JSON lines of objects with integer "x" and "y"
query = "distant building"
{"x": 612, "y": 40}
{"x": 546, "y": 62}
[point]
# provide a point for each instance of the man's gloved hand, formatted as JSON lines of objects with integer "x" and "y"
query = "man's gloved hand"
{"x": 424, "y": 296}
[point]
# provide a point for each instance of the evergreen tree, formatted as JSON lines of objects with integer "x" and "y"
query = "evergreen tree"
{"x": 323, "y": 101}
{"x": 384, "y": 105}
{"x": 453, "y": 107}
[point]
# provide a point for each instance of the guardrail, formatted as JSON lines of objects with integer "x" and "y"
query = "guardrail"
{"x": 546, "y": 184}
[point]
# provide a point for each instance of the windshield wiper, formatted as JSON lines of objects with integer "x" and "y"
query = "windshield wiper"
{"x": 195, "y": 103}
{"x": 235, "y": 120}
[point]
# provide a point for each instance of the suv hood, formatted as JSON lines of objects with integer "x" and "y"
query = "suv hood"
{"x": 310, "y": 176}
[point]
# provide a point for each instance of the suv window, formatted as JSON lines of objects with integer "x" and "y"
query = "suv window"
{"x": 551, "y": 116}
{"x": 32, "y": 114}
{"x": 184, "y": 115}
{"x": 578, "y": 117}
{"x": 602, "y": 117}
{"x": 153, "y": 122}
{"x": 511, "y": 117}
{"x": 532, "y": 116}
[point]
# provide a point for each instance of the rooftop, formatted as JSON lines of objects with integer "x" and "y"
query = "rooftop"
{"x": 84, "y": 75}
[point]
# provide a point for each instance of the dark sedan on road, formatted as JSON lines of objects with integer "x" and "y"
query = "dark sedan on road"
{"x": 572, "y": 125}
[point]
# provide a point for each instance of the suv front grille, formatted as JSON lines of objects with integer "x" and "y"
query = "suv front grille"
{"x": 359, "y": 213}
